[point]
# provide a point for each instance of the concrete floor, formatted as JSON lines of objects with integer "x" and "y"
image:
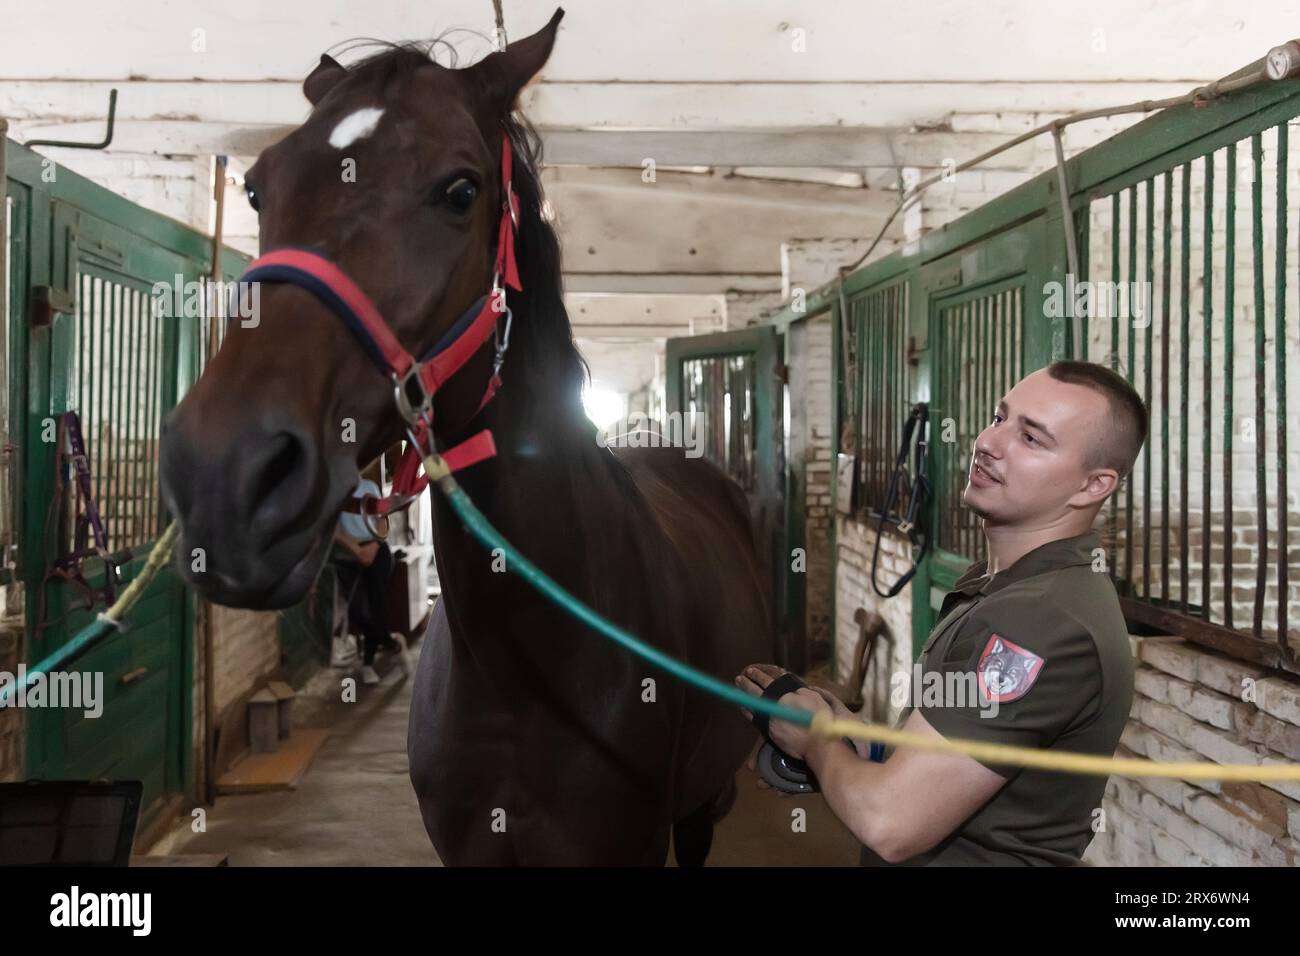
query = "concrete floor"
{"x": 355, "y": 804}
{"x": 759, "y": 831}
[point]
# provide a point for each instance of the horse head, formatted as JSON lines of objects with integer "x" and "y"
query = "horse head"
{"x": 395, "y": 178}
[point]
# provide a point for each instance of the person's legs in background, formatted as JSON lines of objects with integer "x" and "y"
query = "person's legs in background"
{"x": 367, "y": 609}
{"x": 352, "y": 581}
{"x": 371, "y": 604}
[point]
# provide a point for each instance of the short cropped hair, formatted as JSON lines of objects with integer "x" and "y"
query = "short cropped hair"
{"x": 1118, "y": 444}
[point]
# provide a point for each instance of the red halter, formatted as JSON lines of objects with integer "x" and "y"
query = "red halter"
{"x": 414, "y": 381}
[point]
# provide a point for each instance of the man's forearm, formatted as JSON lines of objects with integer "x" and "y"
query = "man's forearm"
{"x": 856, "y": 791}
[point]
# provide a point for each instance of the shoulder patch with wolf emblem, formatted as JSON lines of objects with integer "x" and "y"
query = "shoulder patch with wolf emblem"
{"x": 1006, "y": 670}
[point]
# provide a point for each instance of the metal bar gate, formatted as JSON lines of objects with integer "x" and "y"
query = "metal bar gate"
{"x": 1184, "y": 225}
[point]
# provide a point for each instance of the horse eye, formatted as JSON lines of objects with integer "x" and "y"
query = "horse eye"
{"x": 251, "y": 193}
{"x": 460, "y": 194}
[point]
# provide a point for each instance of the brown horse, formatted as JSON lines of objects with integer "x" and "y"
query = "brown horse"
{"x": 532, "y": 739}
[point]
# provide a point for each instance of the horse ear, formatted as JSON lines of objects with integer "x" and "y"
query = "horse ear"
{"x": 323, "y": 79}
{"x": 505, "y": 73}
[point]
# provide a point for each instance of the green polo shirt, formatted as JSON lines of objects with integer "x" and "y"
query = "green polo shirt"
{"x": 1047, "y": 643}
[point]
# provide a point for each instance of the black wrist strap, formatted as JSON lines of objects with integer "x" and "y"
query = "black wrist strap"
{"x": 787, "y": 683}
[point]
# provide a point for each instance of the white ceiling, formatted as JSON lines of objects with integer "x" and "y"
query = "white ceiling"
{"x": 670, "y": 41}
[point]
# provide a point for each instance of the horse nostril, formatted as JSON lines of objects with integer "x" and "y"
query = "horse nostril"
{"x": 279, "y": 467}
{"x": 276, "y": 479}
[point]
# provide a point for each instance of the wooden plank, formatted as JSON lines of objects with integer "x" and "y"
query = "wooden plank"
{"x": 1235, "y": 644}
{"x": 281, "y": 770}
{"x": 597, "y": 106}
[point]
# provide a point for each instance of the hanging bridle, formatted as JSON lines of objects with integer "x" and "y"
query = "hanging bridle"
{"x": 415, "y": 382}
{"x": 912, "y": 522}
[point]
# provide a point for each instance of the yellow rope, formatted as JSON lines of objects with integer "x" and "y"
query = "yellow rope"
{"x": 1062, "y": 761}
{"x": 159, "y": 556}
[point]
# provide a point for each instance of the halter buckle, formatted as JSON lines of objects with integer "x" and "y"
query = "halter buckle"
{"x": 510, "y": 205}
{"x": 410, "y": 411}
{"x": 501, "y": 343}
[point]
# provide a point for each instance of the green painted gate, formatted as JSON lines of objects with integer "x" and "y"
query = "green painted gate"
{"x": 1179, "y": 201}
{"x": 732, "y": 382}
{"x": 82, "y": 337}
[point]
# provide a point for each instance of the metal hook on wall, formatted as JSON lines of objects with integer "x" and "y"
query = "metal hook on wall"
{"x": 108, "y": 134}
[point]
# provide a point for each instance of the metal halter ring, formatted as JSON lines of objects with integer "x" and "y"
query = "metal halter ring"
{"x": 410, "y": 413}
{"x": 373, "y": 527}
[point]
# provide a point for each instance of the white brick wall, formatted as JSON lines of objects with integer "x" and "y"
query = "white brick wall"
{"x": 179, "y": 186}
{"x": 748, "y": 308}
{"x": 809, "y": 263}
{"x": 1189, "y": 706}
{"x": 247, "y": 648}
{"x": 970, "y": 189}
{"x": 852, "y": 591}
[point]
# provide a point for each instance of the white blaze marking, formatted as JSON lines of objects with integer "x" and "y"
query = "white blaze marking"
{"x": 355, "y": 126}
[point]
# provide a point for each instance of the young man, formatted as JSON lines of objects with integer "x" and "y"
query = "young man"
{"x": 1037, "y": 627}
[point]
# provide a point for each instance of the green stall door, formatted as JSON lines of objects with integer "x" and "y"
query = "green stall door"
{"x": 105, "y": 355}
{"x": 728, "y": 385}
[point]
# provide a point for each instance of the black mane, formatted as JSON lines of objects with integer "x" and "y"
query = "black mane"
{"x": 550, "y": 358}
{"x": 543, "y": 361}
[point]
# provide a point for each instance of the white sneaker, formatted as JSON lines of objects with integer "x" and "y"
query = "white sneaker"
{"x": 343, "y": 651}
{"x": 369, "y": 675}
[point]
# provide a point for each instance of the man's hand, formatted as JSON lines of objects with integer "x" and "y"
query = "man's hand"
{"x": 792, "y": 739}
{"x": 366, "y": 552}
{"x": 840, "y": 712}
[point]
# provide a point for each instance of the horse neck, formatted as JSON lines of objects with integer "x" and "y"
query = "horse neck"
{"x": 541, "y": 491}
